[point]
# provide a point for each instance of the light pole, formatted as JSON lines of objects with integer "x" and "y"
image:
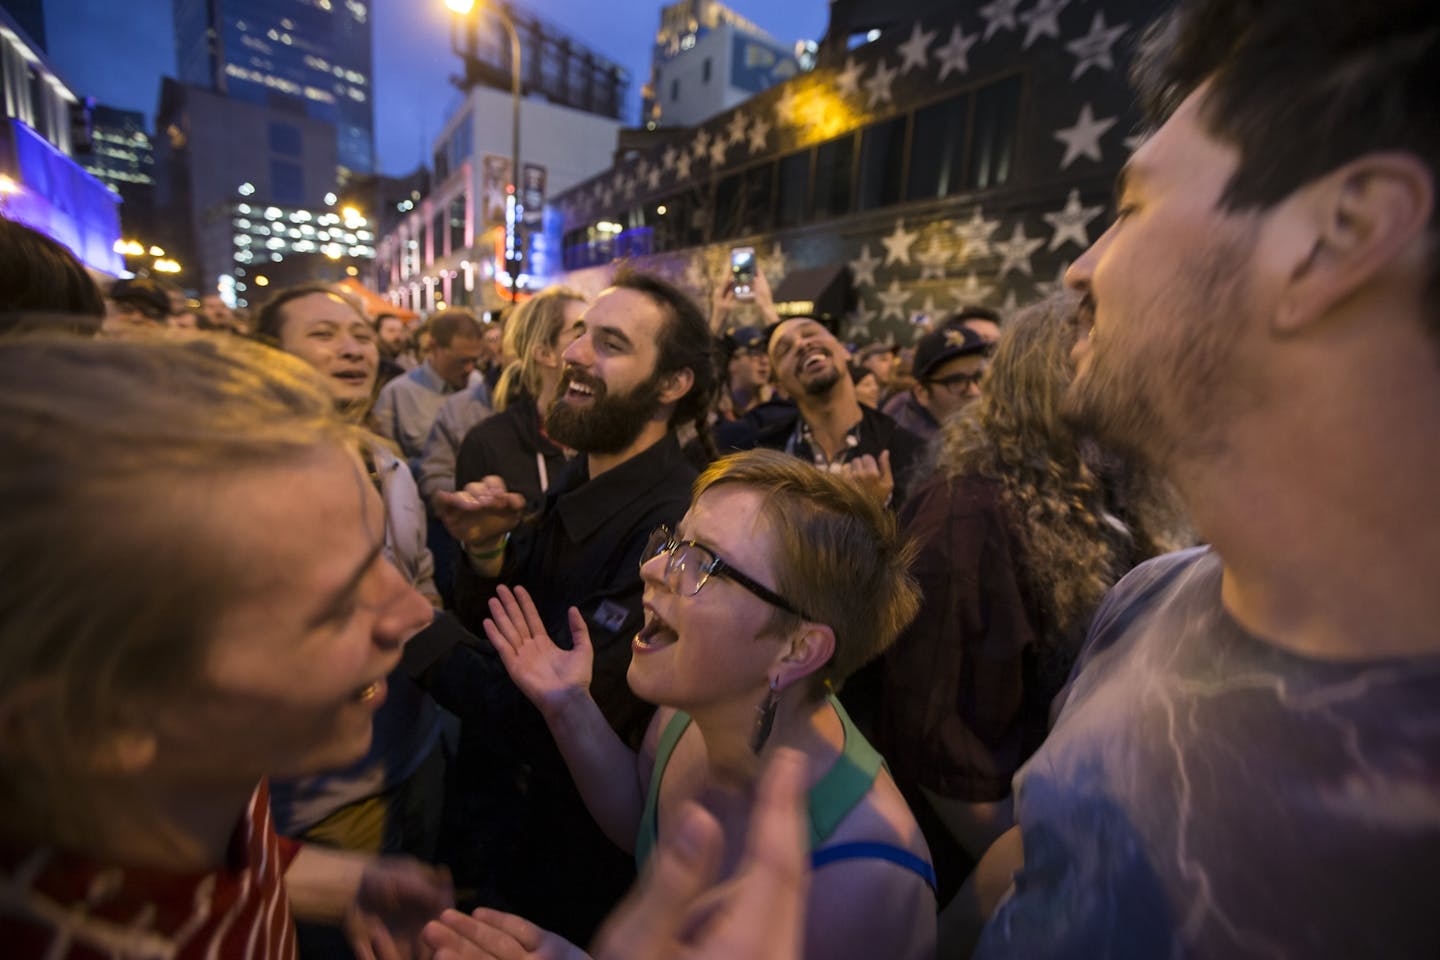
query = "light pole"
{"x": 464, "y": 8}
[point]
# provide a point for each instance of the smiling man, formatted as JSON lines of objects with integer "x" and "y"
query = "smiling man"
{"x": 639, "y": 367}
{"x": 1247, "y": 759}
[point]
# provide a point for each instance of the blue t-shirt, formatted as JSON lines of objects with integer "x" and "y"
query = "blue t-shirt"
{"x": 1207, "y": 794}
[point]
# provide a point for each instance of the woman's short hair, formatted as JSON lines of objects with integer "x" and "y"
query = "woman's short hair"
{"x": 113, "y": 577}
{"x": 839, "y": 556}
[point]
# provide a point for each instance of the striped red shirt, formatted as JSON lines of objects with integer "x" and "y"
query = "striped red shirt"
{"x": 56, "y": 905}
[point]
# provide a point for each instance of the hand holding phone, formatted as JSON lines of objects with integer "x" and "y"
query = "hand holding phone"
{"x": 742, "y": 272}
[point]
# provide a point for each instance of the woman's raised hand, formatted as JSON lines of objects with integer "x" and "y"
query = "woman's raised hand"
{"x": 549, "y": 676}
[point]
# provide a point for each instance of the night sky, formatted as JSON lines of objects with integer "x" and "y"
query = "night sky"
{"x": 118, "y": 51}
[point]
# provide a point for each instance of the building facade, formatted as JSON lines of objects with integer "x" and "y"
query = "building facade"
{"x": 707, "y": 59}
{"x": 963, "y": 156}
{"x": 41, "y": 183}
{"x": 269, "y": 246}
{"x": 316, "y": 54}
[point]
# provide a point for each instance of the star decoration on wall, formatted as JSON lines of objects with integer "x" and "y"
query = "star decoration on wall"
{"x": 667, "y": 159}
{"x": 972, "y": 291}
{"x": 928, "y": 308}
{"x": 1083, "y": 139}
{"x": 1132, "y": 142}
{"x": 999, "y": 15}
{"x": 932, "y": 262}
{"x": 759, "y": 136}
{"x": 701, "y": 145}
{"x": 1042, "y": 20}
{"x": 695, "y": 277}
{"x": 847, "y": 81}
{"x": 894, "y": 300}
{"x": 717, "y": 152}
{"x": 1010, "y": 305}
{"x": 735, "y": 133}
{"x": 653, "y": 178}
{"x": 915, "y": 52}
{"x": 864, "y": 266}
{"x": 878, "y": 86}
{"x": 859, "y": 319}
{"x": 954, "y": 56}
{"x": 1015, "y": 253}
{"x": 1048, "y": 288}
{"x": 1093, "y": 49}
{"x": 975, "y": 235}
{"x": 682, "y": 167}
{"x": 607, "y": 198}
{"x": 785, "y": 106}
{"x": 898, "y": 244}
{"x": 1070, "y": 223}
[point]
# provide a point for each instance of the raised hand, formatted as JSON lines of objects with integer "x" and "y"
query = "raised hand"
{"x": 872, "y": 476}
{"x": 491, "y": 935}
{"x": 481, "y": 513}
{"x": 550, "y": 677}
{"x": 397, "y": 897}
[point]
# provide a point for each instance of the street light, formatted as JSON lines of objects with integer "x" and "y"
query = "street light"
{"x": 464, "y": 8}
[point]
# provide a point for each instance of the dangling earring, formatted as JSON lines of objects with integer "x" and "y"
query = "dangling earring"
{"x": 766, "y": 716}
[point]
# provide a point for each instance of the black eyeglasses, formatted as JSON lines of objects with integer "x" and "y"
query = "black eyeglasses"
{"x": 691, "y": 565}
{"x": 960, "y": 380}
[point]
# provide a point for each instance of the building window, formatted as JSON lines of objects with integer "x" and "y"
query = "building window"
{"x": 285, "y": 139}
{"x": 794, "y": 198}
{"x": 287, "y": 183}
{"x": 882, "y": 169}
{"x": 437, "y": 235}
{"x": 834, "y": 167}
{"x": 759, "y": 198}
{"x": 457, "y": 224}
{"x": 729, "y": 202}
{"x": 996, "y": 129}
{"x": 705, "y": 71}
{"x": 937, "y": 149}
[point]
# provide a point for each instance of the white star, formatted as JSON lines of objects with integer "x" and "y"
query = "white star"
{"x": 999, "y": 15}
{"x": 626, "y": 187}
{"x": 1048, "y": 288}
{"x": 1083, "y": 139}
{"x": 607, "y": 198}
{"x": 1010, "y": 304}
{"x": 894, "y": 300}
{"x": 932, "y": 262}
{"x": 878, "y": 86}
{"x": 972, "y": 292}
{"x": 915, "y": 52}
{"x": 617, "y": 181}
{"x": 1069, "y": 224}
{"x": 864, "y": 267}
{"x": 1043, "y": 19}
{"x": 653, "y": 178}
{"x": 736, "y": 130}
{"x": 717, "y": 152}
{"x": 954, "y": 56}
{"x": 928, "y": 308}
{"x": 695, "y": 277}
{"x": 847, "y": 81}
{"x": 1015, "y": 252}
{"x": 1132, "y": 142}
{"x": 775, "y": 266}
{"x": 667, "y": 159}
{"x": 785, "y": 107}
{"x": 759, "y": 134}
{"x": 682, "y": 167}
{"x": 1093, "y": 49}
{"x": 898, "y": 244}
{"x": 860, "y": 319}
{"x": 975, "y": 236}
{"x": 701, "y": 146}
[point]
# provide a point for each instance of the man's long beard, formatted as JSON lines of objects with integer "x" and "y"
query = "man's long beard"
{"x": 609, "y": 423}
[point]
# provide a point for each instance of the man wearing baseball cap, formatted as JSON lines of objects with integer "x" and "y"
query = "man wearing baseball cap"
{"x": 948, "y": 366}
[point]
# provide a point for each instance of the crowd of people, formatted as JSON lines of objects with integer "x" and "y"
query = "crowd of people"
{"x": 1102, "y": 628}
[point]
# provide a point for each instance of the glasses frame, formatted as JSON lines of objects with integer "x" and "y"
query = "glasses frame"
{"x": 663, "y": 541}
{"x": 962, "y": 380}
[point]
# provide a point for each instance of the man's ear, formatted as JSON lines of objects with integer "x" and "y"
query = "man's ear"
{"x": 675, "y": 385}
{"x": 810, "y": 649}
{"x": 1360, "y": 219}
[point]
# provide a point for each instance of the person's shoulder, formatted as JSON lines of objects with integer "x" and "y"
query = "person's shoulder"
{"x": 758, "y": 427}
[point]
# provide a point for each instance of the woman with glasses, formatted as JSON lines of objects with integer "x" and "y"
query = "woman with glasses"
{"x": 780, "y": 581}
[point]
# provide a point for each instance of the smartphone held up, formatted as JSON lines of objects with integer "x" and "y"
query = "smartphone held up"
{"x": 742, "y": 272}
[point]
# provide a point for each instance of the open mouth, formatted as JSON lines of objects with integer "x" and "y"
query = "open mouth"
{"x": 371, "y": 693}
{"x": 814, "y": 361}
{"x": 353, "y": 378}
{"x": 655, "y": 633}
{"x": 578, "y": 391}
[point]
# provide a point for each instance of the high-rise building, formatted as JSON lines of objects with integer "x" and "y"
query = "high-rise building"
{"x": 120, "y": 151}
{"x": 315, "y": 52}
{"x": 708, "y": 59}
